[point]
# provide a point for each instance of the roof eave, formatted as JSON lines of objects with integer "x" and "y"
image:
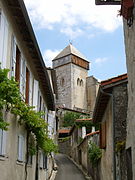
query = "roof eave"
{"x": 41, "y": 66}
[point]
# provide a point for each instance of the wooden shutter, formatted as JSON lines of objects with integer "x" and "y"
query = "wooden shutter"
{"x": 103, "y": 135}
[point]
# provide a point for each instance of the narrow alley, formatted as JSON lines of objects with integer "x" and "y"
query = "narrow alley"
{"x": 66, "y": 169}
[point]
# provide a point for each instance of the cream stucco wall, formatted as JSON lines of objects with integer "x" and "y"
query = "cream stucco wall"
{"x": 107, "y": 153}
{"x": 10, "y": 168}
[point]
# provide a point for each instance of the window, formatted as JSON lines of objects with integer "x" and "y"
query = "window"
{"x": 62, "y": 82}
{"x": 81, "y": 82}
{"x": 78, "y": 81}
{"x": 40, "y": 104}
{"x": 17, "y": 65}
{"x": 103, "y": 135}
{"x": 20, "y": 148}
{"x": 107, "y": 2}
{"x": 2, "y": 142}
{"x": 44, "y": 161}
{"x": 129, "y": 163}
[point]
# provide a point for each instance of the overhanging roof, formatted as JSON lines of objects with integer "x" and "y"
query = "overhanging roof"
{"x": 19, "y": 13}
{"x": 102, "y": 97}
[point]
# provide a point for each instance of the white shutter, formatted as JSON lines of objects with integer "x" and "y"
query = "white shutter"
{"x": 20, "y": 148}
{"x": 35, "y": 94}
{"x": 23, "y": 77}
{"x": 3, "y": 40}
{"x": 1, "y": 137}
{"x": 83, "y": 131}
{"x": 13, "y": 56}
{"x": 2, "y": 142}
{"x": 41, "y": 160}
{"x": 30, "y": 89}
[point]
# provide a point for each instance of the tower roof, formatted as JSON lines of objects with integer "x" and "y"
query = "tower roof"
{"x": 70, "y": 49}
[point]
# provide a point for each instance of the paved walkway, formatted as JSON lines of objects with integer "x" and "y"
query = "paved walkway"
{"x": 67, "y": 169}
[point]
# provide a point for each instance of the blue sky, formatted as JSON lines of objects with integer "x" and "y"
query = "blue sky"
{"x": 96, "y": 31}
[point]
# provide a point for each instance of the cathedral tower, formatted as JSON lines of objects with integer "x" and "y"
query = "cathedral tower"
{"x": 71, "y": 71}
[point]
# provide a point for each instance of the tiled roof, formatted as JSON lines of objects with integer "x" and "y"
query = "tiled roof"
{"x": 64, "y": 131}
{"x": 103, "y": 95}
{"x": 92, "y": 133}
{"x": 80, "y": 120}
{"x": 114, "y": 80}
{"x": 70, "y": 49}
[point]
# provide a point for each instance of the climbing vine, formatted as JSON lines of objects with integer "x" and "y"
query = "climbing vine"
{"x": 94, "y": 153}
{"x": 11, "y": 100}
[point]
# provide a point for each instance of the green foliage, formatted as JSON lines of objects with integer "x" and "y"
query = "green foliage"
{"x": 10, "y": 99}
{"x": 80, "y": 140}
{"x": 69, "y": 118}
{"x": 64, "y": 139}
{"x": 94, "y": 153}
{"x": 86, "y": 124}
{"x": 120, "y": 146}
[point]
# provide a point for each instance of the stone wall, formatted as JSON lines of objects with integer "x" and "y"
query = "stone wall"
{"x": 92, "y": 86}
{"x": 120, "y": 98}
{"x": 64, "y": 146}
{"x": 129, "y": 35}
{"x": 78, "y": 86}
{"x": 71, "y": 83}
{"x": 63, "y": 77}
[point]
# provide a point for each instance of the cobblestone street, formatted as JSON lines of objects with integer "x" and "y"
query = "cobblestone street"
{"x": 67, "y": 169}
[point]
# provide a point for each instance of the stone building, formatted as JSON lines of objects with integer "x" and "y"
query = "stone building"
{"x": 111, "y": 112}
{"x": 75, "y": 90}
{"x": 19, "y": 52}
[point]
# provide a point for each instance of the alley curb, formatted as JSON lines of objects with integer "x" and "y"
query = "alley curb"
{"x": 54, "y": 172}
{"x": 80, "y": 168}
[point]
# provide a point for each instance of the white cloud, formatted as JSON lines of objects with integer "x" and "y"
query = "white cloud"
{"x": 101, "y": 60}
{"x": 69, "y": 14}
{"x": 49, "y": 55}
{"x": 72, "y": 33}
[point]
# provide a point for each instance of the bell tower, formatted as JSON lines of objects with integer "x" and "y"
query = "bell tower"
{"x": 71, "y": 71}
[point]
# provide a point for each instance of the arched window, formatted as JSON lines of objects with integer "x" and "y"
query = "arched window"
{"x": 78, "y": 82}
{"x": 81, "y": 82}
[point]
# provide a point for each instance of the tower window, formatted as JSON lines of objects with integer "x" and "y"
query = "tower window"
{"x": 62, "y": 82}
{"x": 78, "y": 81}
{"x": 81, "y": 82}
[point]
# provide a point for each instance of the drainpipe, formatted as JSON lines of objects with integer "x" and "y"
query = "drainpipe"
{"x": 113, "y": 132}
